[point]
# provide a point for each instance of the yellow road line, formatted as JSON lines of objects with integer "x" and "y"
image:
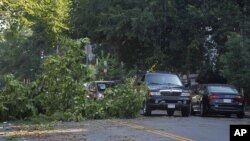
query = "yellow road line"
{"x": 153, "y": 131}
{"x": 169, "y": 135}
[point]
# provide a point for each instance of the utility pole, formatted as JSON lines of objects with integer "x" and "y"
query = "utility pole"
{"x": 105, "y": 70}
{"x": 89, "y": 54}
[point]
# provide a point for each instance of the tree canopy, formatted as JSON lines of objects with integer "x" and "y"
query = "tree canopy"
{"x": 211, "y": 38}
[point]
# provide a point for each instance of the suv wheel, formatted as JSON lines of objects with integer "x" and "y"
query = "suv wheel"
{"x": 145, "y": 110}
{"x": 192, "y": 111}
{"x": 241, "y": 115}
{"x": 203, "y": 111}
{"x": 170, "y": 112}
{"x": 227, "y": 115}
{"x": 185, "y": 111}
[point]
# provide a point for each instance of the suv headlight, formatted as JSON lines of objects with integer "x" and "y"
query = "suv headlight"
{"x": 185, "y": 94}
{"x": 154, "y": 93}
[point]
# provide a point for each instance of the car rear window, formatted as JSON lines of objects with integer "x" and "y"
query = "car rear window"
{"x": 222, "y": 89}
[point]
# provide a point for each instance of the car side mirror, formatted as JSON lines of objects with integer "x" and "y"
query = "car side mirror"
{"x": 186, "y": 83}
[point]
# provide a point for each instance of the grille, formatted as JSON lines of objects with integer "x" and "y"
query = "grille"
{"x": 167, "y": 93}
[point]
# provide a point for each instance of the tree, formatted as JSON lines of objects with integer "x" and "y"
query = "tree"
{"x": 143, "y": 32}
{"x": 53, "y": 15}
{"x": 109, "y": 68}
{"x": 236, "y": 62}
{"x": 217, "y": 20}
{"x": 31, "y": 27}
{"x": 62, "y": 78}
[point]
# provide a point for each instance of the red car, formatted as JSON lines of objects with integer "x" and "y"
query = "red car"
{"x": 97, "y": 88}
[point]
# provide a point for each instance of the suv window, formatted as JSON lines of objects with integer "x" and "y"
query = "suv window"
{"x": 163, "y": 79}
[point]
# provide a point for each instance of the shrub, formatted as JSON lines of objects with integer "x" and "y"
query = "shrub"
{"x": 59, "y": 93}
{"x": 125, "y": 100}
{"x": 122, "y": 101}
{"x": 15, "y": 101}
{"x": 61, "y": 79}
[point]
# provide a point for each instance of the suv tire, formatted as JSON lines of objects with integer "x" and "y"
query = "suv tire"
{"x": 192, "y": 111}
{"x": 241, "y": 115}
{"x": 185, "y": 111}
{"x": 146, "y": 110}
{"x": 170, "y": 112}
{"x": 203, "y": 111}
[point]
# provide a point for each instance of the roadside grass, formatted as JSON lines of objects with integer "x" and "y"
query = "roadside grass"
{"x": 35, "y": 126}
{"x": 21, "y": 130}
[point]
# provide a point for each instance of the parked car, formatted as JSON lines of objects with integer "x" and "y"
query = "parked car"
{"x": 217, "y": 99}
{"x": 97, "y": 88}
{"x": 166, "y": 92}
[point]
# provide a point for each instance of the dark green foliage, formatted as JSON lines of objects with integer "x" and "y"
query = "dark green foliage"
{"x": 114, "y": 68}
{"x": 171, "y": 35}
{"x": 18, "y": 56}
{"x": 236, "y": 63}
{"x": 15, "y": 100}
{"x": 125, "y": 100}
{"x": 54, "y": 91}
{"x": 210, "y": 76}
{"x": 62, "y": 77}
{"x": 59, "y": 94}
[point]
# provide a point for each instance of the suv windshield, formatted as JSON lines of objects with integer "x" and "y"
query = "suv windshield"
{"x": 162, "y": 79}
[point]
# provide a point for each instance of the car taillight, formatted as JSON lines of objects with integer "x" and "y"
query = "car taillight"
{"x": 239, "y": 98}
{"x": 212, "y": 97}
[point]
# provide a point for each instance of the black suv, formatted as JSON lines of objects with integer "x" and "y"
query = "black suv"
{"x": 166, "y": 92}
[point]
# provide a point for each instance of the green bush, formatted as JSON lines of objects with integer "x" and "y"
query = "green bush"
{"x": 61, "y": 79}
{"x": 18, "y": 102}
{"x": 58, "y": 92}
{"x": 125, "y": 100}
{"x": 15, "y": 100}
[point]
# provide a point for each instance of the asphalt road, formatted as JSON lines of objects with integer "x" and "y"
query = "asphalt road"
{"x": 158, "y": 127}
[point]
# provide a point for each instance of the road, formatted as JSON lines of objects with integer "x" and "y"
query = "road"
{"x": 158, "y": 127}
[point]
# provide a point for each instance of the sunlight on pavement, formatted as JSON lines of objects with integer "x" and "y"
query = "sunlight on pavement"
{"x": 36, "y": 132}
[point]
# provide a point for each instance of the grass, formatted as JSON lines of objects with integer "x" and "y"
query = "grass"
{"x": 24, "y": 129}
